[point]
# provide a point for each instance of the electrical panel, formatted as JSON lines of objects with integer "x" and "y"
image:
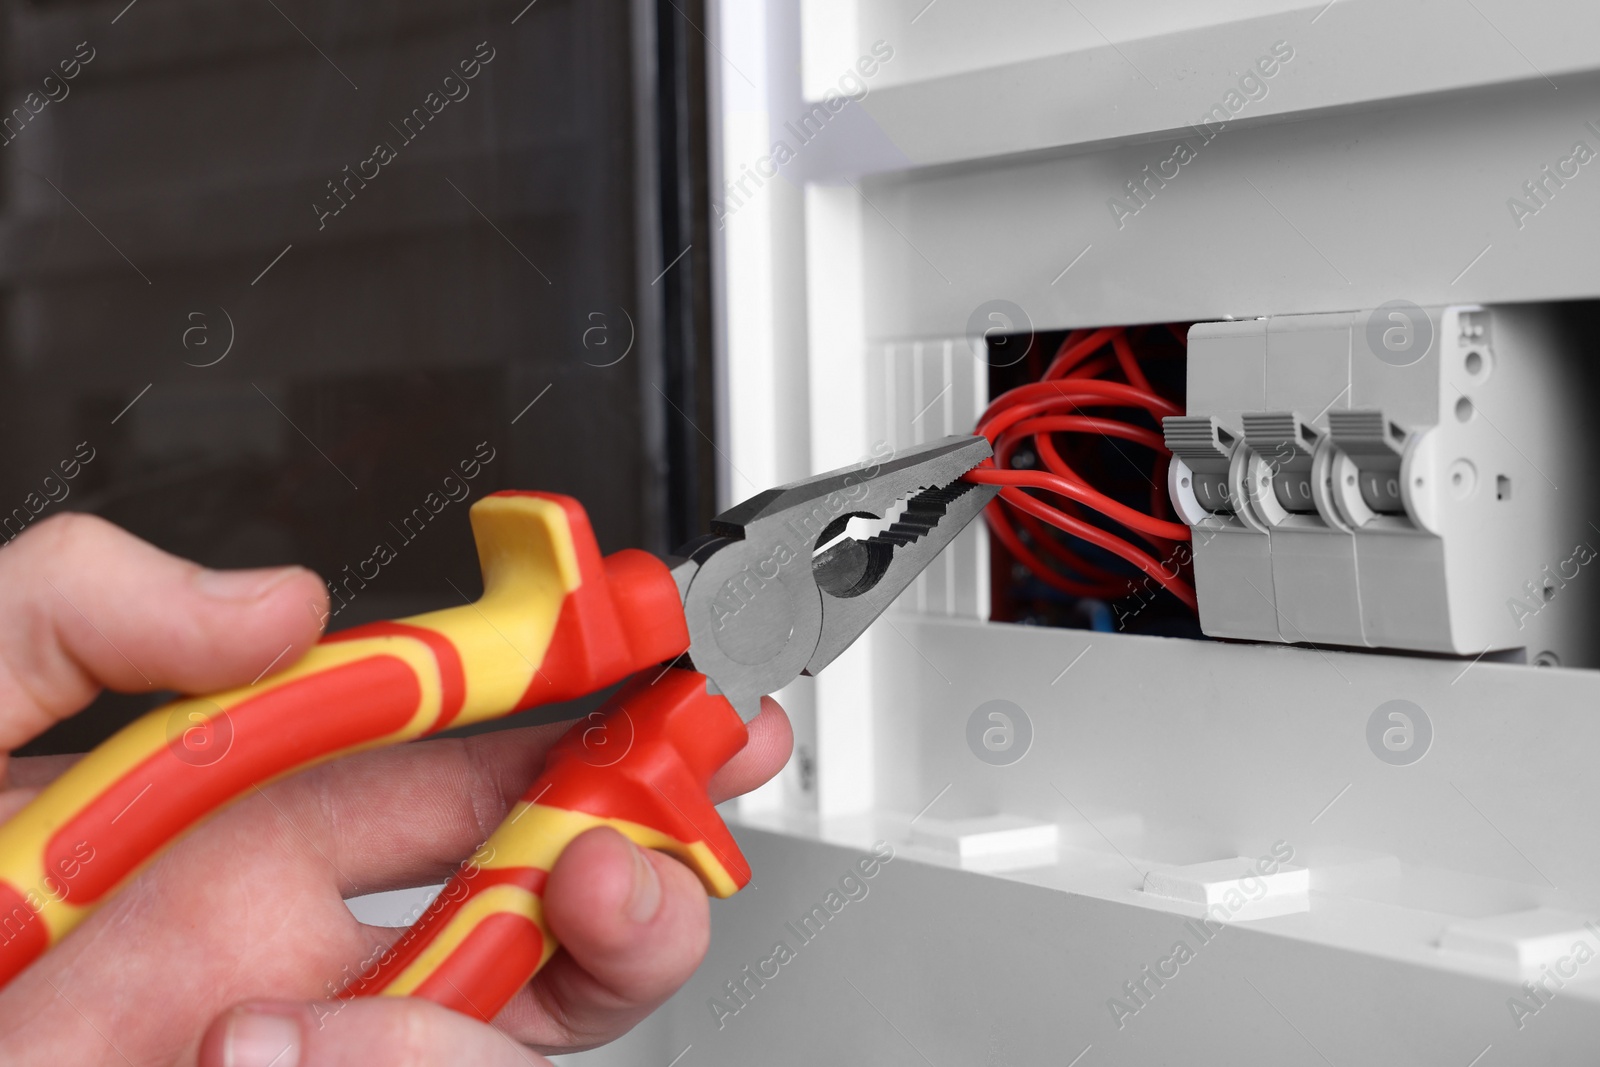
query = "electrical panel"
{"x": 1397, "y": 477}
{"x": 1369, "y": 698}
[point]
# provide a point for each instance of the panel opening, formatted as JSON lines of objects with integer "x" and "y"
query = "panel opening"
{"x": 1087, "y": 586}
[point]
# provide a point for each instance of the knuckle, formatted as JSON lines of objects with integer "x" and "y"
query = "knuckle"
{"x": 486, "y": 801}
{"x": 427, "y": 1035}
{"x": 417, "y": 1038}
{"x": 66, "y": 534}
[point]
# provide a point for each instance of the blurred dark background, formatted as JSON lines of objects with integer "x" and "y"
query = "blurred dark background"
{"x": 263, "y": 383}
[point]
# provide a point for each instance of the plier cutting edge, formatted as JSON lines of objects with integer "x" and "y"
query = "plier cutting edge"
{"x": 772, "y": 592}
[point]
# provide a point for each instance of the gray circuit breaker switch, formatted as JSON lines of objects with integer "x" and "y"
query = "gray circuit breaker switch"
{"x": 1365, "y": 469}
{"x": 1232, "y": 557}
{"x": 1366, "y": 461}
{"x": 1313, "y": 560}
{"x": 1199, "y": 477}
{"x": 1282, "y": 447}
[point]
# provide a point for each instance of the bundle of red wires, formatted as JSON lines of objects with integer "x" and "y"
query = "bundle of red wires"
{"x": 1077, "y": 395}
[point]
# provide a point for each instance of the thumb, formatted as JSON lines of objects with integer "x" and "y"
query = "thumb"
{"x": 90, "y": 605}
{"x": 395, "y": 1031}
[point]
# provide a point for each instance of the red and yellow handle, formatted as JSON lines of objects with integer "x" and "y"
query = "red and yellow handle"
{"x": 641, "y": 767}
{"x": 555, "y": 621}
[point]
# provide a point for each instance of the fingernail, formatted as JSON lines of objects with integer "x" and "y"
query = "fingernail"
{"x": 260, "y": 1038}
{"x": 242, "y": 585}
{"x": 645, "y": 900}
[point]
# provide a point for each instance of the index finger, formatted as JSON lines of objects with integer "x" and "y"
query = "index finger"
{"x": 407, "y": 816}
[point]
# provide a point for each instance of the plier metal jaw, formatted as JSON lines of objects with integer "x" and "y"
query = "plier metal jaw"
{"x": 779, "y": 589}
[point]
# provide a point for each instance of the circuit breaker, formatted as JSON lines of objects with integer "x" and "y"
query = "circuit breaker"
{"x": 1397, "y": 477}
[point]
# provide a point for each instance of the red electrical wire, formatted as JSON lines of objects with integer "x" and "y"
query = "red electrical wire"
{"x": 1083, "y": 494}
{"x": 1076, "y": 347}
{"x": 1075, "y": 397}
{"x": 1048, "y": 574}
{"x": 1095, "y": 536}
{"x": 1101, "y": 583}
{"x": 1130, "y": 366}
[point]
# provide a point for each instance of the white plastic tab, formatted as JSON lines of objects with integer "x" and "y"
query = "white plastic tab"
{"x": 991, "y": 842}
{"x": 1234, "y": 889}
{"x": 1528, "y": 939}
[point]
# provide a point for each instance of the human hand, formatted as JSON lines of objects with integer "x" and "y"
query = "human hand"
{"x": 248, "y": 909}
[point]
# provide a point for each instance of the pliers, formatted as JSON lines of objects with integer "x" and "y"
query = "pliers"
{"x": 775, "y": 590}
